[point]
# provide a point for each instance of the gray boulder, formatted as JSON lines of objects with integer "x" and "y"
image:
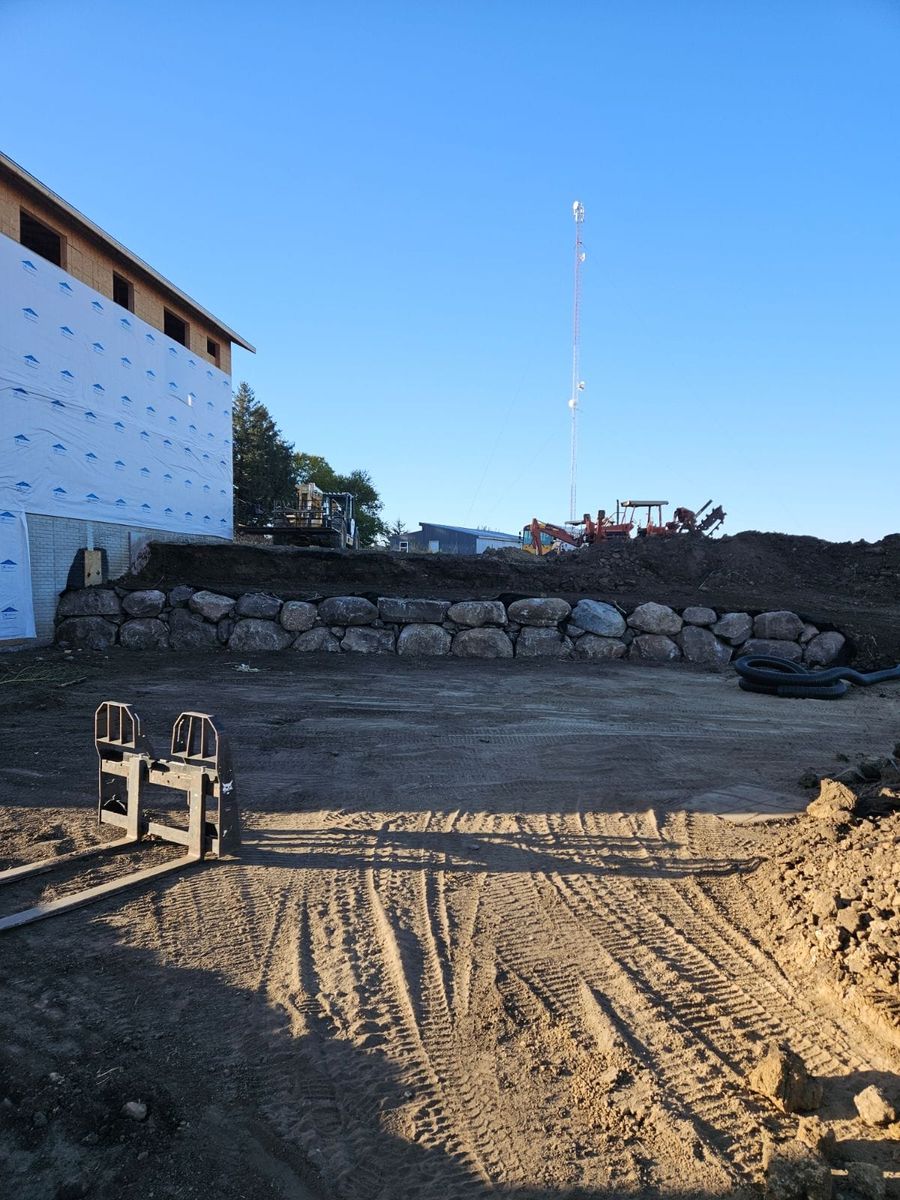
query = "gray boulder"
{"x": 734, "y": 628}
{"x": 188, "y": 631}
{"x": 596, "y": 617}
{"x": 475, "y": 613}
{"x": 701, "y": 646}
{"x": 297, "y": 616}
{"x": 697, "y": 615}
{"x": 144, "y": 604}
{"x": 540, "y": 611}
{"x": 399, "y": 611}
{"x": 316, "y": 641}
{"x": 807, "y": 634}
{"x": 482, "y": 643}
{"x": 655, "y": 619}
{"x": 211, "y": 605}
{"x": 180, "y": 595}
{"x": 654, "y": 647}
{"x": 824, "y": 649}
{"x": 423, "y": 640}
{"x": 542, "y": 642}
{"x": 362, "y": 640}
{"x": 593, "y": 647}
{"x": 772, "y": 648}
{"x": 347, "y": 610}
{"x": 144, "y": 633}
{"x": 88, "y": 602}
{"x": 224, "y": 630}
{"x": 782, "y": 626}
{"x": 86, "y": 633}
{"x": 255, "y": 634}
{"x": 258, "y": 604}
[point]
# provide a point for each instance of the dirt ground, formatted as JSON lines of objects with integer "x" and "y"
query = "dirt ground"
{"x": 482, "y": 938}
{"x": 850, "y": 586}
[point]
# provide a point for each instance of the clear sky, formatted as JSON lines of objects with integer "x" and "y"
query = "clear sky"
{"x": 378, "y": 195}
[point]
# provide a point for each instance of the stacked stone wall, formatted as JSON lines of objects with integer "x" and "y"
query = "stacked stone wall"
{"x": 533, "y": 627}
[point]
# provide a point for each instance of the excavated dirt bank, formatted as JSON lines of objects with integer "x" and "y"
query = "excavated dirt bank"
{"x": 854, "y": 587}
{"x": 479, "y": 940}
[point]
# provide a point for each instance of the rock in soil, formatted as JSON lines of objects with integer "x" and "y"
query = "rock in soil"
{"x": 781, "y": 1075}
{"x": 874, "y": 1107}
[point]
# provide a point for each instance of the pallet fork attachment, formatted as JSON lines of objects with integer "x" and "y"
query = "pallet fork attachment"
{"x": 199, "y": 765}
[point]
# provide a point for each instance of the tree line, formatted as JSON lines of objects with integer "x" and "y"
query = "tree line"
{"x": 267, "y": 470}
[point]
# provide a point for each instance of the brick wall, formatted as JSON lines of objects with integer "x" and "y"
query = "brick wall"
{"x": 94, "y": 265}
{"x": 53, "y": 544}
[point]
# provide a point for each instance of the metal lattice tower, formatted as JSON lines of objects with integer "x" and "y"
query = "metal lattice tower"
{"x": 577, "y": 384}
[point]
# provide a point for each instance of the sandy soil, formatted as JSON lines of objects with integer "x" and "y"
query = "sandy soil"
{"x": 476, "y": 943}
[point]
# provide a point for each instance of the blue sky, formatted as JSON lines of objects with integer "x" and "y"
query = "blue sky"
{"x": 379, "y": 197}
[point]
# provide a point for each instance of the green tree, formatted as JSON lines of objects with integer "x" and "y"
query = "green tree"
{"x": 264, "y": 471}
{"x": 313, "y": 468}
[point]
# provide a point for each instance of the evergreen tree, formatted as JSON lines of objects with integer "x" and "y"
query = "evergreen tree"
{"x": 264, "y": 471}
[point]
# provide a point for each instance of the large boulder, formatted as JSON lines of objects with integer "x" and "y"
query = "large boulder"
{"x": 542, "y": 642}
{"x": 781, "y": 1076}
{"x": 144, "y": 604}
{"x": 654, "y": 647}
{"x": 655, "y": 618}
{"x": 86, "y": 633}
{"x": 144, "y": 633}
{"x": 297, "y": 616}
{"x": 593, "y": 647}
{"x": 211, "y": 605}
{"x": 540, "y": 611}
{"x": 488, "y": 642}
{"x": 88, "y": 602}
{"x": 734, "y": 627}
{"x": 259, "y": 605}
{"x": 593, "y": 616}
{"x": 423, "y": 640}
{"x": 825, "y": 649}
{"x": 399, "y": 611}
{"x": 475, "y": 613}
{"x": 701, "y": 646}
{"x": 347, "y": 610}
{"x": 317, "y": 641}
{"x": 783, "y": 626}
{"x": 698, "y": 615}
{"x": 252, "y": 633}
{"x": 188, "y": 631}
{"x": 772, "y": 648}
{"x": 363, "y": 640}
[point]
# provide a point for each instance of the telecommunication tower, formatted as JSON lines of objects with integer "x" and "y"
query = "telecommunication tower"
{"x": 577, "y": 384}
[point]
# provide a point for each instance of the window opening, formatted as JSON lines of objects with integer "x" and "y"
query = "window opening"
{"x": 41, "y": 238}
{"x": 123, "y": 292}
{"x": 175, "y": 328}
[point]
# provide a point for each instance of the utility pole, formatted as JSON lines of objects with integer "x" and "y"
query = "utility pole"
{"x": 577, "y": 384}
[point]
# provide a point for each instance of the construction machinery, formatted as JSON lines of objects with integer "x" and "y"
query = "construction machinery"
{"x": 644, "y": 518}
{"x": 199, "y": 765}
{"x": 319, "y": 519}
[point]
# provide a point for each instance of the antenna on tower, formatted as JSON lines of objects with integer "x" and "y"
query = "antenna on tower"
{"x": 577, "y": 384}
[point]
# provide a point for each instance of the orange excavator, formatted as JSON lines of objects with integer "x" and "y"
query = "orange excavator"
{"x": 542, "y": 537}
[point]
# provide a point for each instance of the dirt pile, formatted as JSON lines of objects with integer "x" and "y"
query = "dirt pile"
{"x": 835, "y": 891}
{"x": 850, "y": 586}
